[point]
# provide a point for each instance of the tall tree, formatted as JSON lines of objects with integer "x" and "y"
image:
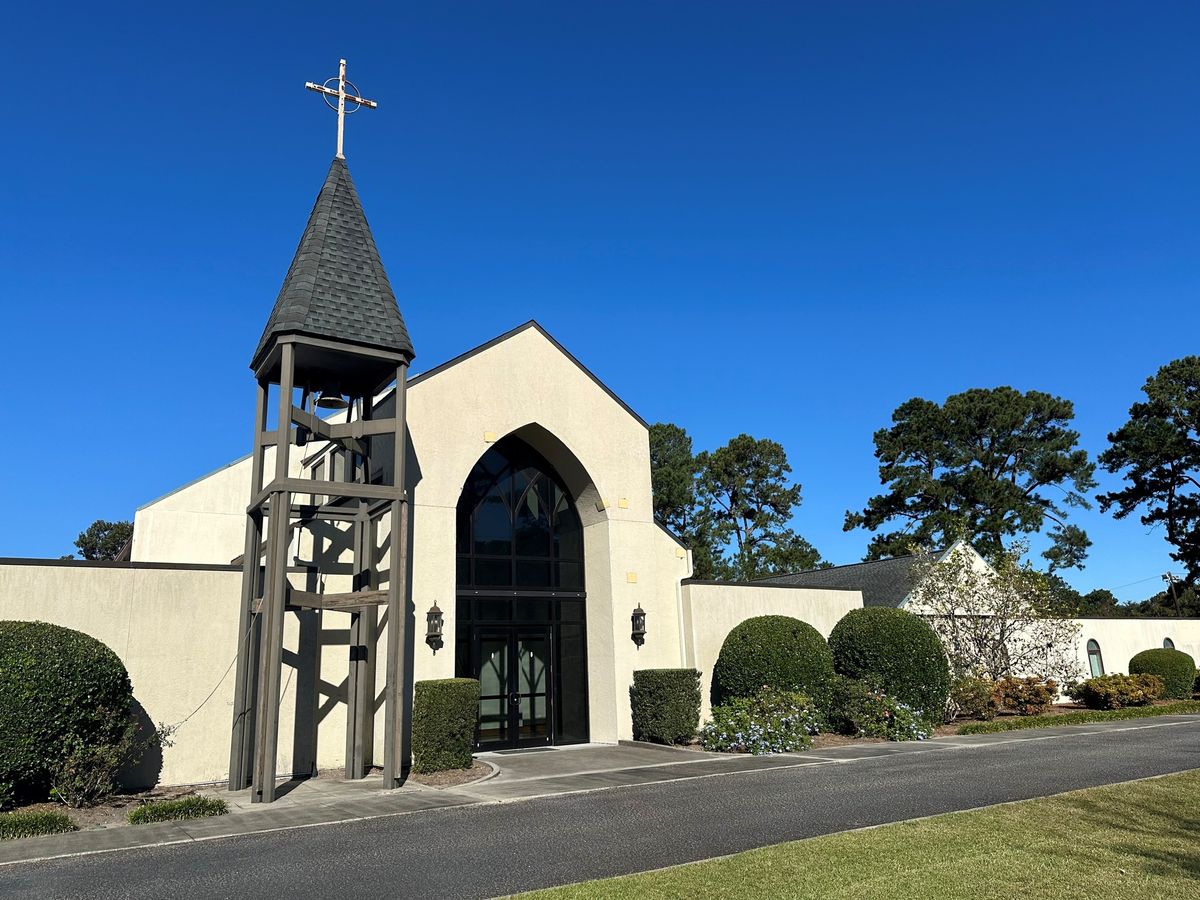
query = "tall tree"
{"x": 978, "y": 467}
{"x": 673, "y": 470}
{"x": 1158, "y": 452}
{"x": 746, "y": 501}
{"x": 103, "y": 540}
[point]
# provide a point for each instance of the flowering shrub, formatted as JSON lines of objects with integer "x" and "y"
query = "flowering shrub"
{"x": 862, "y": 710}
{"x": 1117, "y": 691}
{"x": 972, "y": 698}
{"x": 1026, "y": 696}
{"x": 770, "y": 722}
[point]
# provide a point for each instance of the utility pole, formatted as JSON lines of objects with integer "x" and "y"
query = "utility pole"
{"x": 1169, "y": 578}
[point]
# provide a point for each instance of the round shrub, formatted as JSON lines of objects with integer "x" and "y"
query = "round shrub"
{"x": 896, "y": 651}
{"x": 665, "y": 704}
{"x": 776, "y": 652}
{"x": 1176, "y": 668}
{"x": 59, "y": 688}
{"x": 445, "y": 713}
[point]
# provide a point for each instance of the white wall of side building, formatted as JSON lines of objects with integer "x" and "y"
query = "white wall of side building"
{"x": 1122, "y": 639}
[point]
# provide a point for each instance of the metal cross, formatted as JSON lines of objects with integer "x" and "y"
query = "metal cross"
{"x": 343, "y": 96}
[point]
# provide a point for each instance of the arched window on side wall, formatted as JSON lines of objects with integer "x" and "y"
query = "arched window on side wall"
{"x": 1095, "y": 660}
{"x": 1168, "y": 644}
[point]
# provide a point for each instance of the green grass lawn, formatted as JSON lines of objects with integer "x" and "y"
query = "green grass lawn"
{"x": 1134, "y": 840}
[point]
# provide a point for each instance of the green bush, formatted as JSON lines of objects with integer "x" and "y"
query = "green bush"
{"x": 860, "y": 709}
{"x": 445, "y": 714}
{"x": 15, "y": 825}
{"x": 973, "y": 698}
{"x": 1176, "y": 668}
{"x": 774, "y": 652}
{"x": 58, "y": 689}
{"x": 1026, "y": 696}
{"x": 1117, "y": 691}
{"x": 196, "y": 807}
{"x": 897, "y": 652}
{"x": 770, "y": 722}
{"x": 665, "y": 705}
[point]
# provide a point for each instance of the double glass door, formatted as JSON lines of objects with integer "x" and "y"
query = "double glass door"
{"x": 515, "y": 678}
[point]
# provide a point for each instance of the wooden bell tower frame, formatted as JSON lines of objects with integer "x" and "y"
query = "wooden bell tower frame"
{"x": 373, "y": 491}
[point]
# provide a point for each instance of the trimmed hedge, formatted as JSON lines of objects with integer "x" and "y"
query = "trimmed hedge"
{"x": 665, "y": 704}
{"x": 445, "y": 715}
{"x": 15, "y": 825}
{"x": 1176, "y": 668}
{"x": 197, "y": 807}
{"x": 1083, "y": 717}
{"x": 58, "y": 688}
{"x": 898, "y": 652}
{"x": 776, "y": 652}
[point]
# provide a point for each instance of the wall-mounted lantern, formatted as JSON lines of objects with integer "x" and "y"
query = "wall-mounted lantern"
{"x": 433, "y": 628}
{"x": 639, "y": 625}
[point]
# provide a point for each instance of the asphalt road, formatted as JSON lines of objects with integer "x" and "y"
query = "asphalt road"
{"x": 483, "y": 851}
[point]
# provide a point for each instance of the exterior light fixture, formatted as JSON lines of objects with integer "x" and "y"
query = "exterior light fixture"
{"x": 639, "y": 625}
{"x": 433, "y": 628}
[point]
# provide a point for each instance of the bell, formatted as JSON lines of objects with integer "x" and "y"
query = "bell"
{"x": 325, "y": 400}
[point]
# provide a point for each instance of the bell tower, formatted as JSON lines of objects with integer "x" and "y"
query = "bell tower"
{"x": 335, "y": 340}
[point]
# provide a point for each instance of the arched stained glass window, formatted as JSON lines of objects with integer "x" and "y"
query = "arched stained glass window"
{"x": 1095, "y": 660}
{"x": 517, "y": 525}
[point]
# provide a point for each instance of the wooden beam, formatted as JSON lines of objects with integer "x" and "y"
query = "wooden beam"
{"x": 397, "y": 692}
{"x": 347, "y": 600}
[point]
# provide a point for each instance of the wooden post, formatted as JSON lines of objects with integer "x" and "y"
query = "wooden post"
{"x": 274, "y": 595}
{"x": 241, "y": 744}
{"x": 397, "y": 737}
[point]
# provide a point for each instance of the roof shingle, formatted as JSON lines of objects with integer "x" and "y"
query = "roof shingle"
{"x": 883, "y": 582}
{"x": 336, "y": 287}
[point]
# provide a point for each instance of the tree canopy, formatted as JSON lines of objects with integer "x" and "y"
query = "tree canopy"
{"x": 746, "y": 499}
{"x": 730, "y": 506}
{"x": 1158, "y": 453}
{"x": 978, "y": 467}
{"x": 103, "y": 540}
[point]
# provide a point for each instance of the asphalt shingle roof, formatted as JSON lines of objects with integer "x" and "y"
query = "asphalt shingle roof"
{"x": 336, "y": 287}
{"x": 883, "y": 582}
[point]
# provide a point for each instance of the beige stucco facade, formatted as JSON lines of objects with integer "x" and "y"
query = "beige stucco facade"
{"x": 171, "y": 614}
{"x": 173, "y": 620}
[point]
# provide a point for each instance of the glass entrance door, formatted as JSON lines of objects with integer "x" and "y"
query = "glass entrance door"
{"x": 515, "y": 678}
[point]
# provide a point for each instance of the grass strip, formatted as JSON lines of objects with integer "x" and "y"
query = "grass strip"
{"x": 15, "y": 825}
{"x": 1082, "y": 717}
{"x": 198, "y": 807}
{"x": 1136, "y": 841}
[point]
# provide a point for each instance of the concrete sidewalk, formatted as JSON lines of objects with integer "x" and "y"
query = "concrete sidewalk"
{"x": 522, "y": 776}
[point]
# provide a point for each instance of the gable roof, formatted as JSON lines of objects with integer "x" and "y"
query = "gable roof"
{"x": 883, "y": 582}
{"x": 336, "y": 286}
{"x": 499, "y": 339}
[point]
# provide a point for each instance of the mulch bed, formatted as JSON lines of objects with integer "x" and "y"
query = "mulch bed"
{"x": 452, "y": 777}
{"x": 113, "y": 811}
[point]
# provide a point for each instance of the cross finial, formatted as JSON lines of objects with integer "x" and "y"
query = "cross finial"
{"x": 343, "y": 96}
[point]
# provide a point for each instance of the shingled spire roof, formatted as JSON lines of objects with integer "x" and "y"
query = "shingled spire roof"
{"x": 336, "y": 287}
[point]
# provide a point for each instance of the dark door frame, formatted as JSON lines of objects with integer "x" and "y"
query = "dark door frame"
{"x": 511, "y": 694}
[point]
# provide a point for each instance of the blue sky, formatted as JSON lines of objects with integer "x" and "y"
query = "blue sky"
{"x": 778, "y": 218}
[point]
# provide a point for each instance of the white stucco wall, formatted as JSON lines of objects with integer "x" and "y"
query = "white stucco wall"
{"x": 711, "y": 610}
{"x": 1122, "y": 639}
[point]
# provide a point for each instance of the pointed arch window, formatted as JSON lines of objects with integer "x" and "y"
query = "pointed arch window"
{"x": 517, "y": 525}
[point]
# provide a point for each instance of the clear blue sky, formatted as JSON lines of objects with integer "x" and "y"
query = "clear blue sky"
{"x": 778, "y": 218}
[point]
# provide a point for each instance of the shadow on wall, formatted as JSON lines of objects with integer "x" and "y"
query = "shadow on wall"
{"x": 144, "y": 773}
